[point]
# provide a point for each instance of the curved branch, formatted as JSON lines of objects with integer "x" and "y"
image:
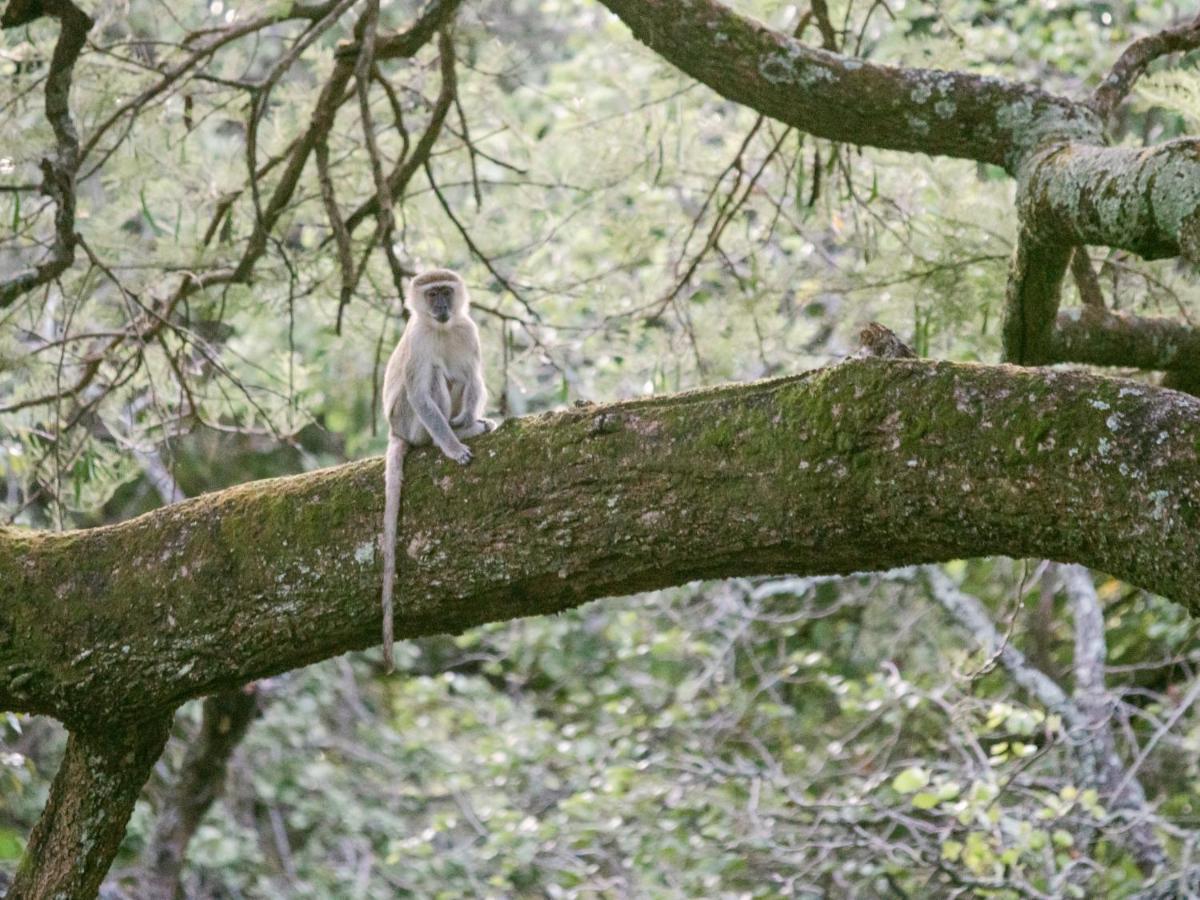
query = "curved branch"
{"x": 847, "y": 99}
{"x": 1144, "y": 200}
{"x": 868, "y": 465}
{"x": 1136, "y": 59}
{"x": 58, "y": 174}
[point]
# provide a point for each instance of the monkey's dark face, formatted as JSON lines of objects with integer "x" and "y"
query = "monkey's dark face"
{"x": 440, "y": 300}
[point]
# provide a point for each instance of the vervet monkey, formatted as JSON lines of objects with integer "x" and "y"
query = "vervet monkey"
{"x": 432, "y": 391}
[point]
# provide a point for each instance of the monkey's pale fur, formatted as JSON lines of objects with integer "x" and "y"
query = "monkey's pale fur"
{"x": 433, "y": 391}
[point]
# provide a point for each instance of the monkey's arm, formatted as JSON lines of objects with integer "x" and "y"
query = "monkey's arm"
{"x": 473, "y": 399}
{"x": 433, "y": 416}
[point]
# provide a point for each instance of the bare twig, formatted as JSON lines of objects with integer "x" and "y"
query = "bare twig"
{"x": 399, "y": 178}
{"x": 336, "y": 225}
{"x": 385, "y": 219}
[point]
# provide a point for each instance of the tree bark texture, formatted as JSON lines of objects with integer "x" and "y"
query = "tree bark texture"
{"x": 866, "y": 465}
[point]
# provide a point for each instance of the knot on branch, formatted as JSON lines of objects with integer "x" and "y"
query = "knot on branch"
{"x": 879, "y": 342}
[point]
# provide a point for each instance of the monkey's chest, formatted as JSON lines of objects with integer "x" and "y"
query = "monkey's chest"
{"x": 453, "y": 383}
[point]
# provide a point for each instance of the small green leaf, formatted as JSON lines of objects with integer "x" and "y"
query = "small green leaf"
{"x": 925, "y": 800}
{"x": 951, "y": 850}
{"x": 910, "y": 780}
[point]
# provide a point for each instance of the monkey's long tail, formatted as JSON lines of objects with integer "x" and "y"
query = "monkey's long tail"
{"x": 393, "y": 480}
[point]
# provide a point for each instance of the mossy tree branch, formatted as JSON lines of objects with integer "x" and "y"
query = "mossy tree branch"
{"x": 868, "y": 465}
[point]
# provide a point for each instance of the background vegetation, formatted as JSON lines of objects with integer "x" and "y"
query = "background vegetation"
{"x": 625, "y": 232}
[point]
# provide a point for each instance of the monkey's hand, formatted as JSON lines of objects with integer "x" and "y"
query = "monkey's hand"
{"x": 487, "y": 425}
{"x": 461, "y": 456}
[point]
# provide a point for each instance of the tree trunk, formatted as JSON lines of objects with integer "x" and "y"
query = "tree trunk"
{"x": 74, "y": 841}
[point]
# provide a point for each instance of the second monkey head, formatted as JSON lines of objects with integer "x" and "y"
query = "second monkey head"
{"x": 437, "y": 296}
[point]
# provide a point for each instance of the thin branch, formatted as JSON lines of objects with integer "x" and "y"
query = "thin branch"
{"x": 1137, "y": 57}
{"x": 341, "y": 237}
{"x": 261, "y": 95}
{"x": 476, "y": 251}
{"x": 1086, "y": 279}
{"x": 385, "y": 219}
{"x": 407, "y": 43}
{"x": 58, "y": 174}
{"x": 400, "y": 177}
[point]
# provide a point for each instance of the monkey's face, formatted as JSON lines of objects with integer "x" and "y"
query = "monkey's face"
{"x": 439, "y": 299}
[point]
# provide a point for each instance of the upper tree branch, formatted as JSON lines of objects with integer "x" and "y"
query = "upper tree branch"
{"x": 867, "y": 465}
{"x": 58, "y": 173}
{"x": 846, "y": 99}
{"x": 1136, "y": 59}
{"x": 1072, "y": 189}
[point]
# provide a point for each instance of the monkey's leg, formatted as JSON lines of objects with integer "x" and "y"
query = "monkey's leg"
{"x": 478, "y": 427}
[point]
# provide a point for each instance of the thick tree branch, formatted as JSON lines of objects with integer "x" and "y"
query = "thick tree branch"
{"x": 868, "y": 465}
{"x": 92, "y": 796}
{"x": 1144, "y": 200}
{"x": 1100, "y": 337}
{"x": 846, "y": 99}
{"x": 1072, "y": 189}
